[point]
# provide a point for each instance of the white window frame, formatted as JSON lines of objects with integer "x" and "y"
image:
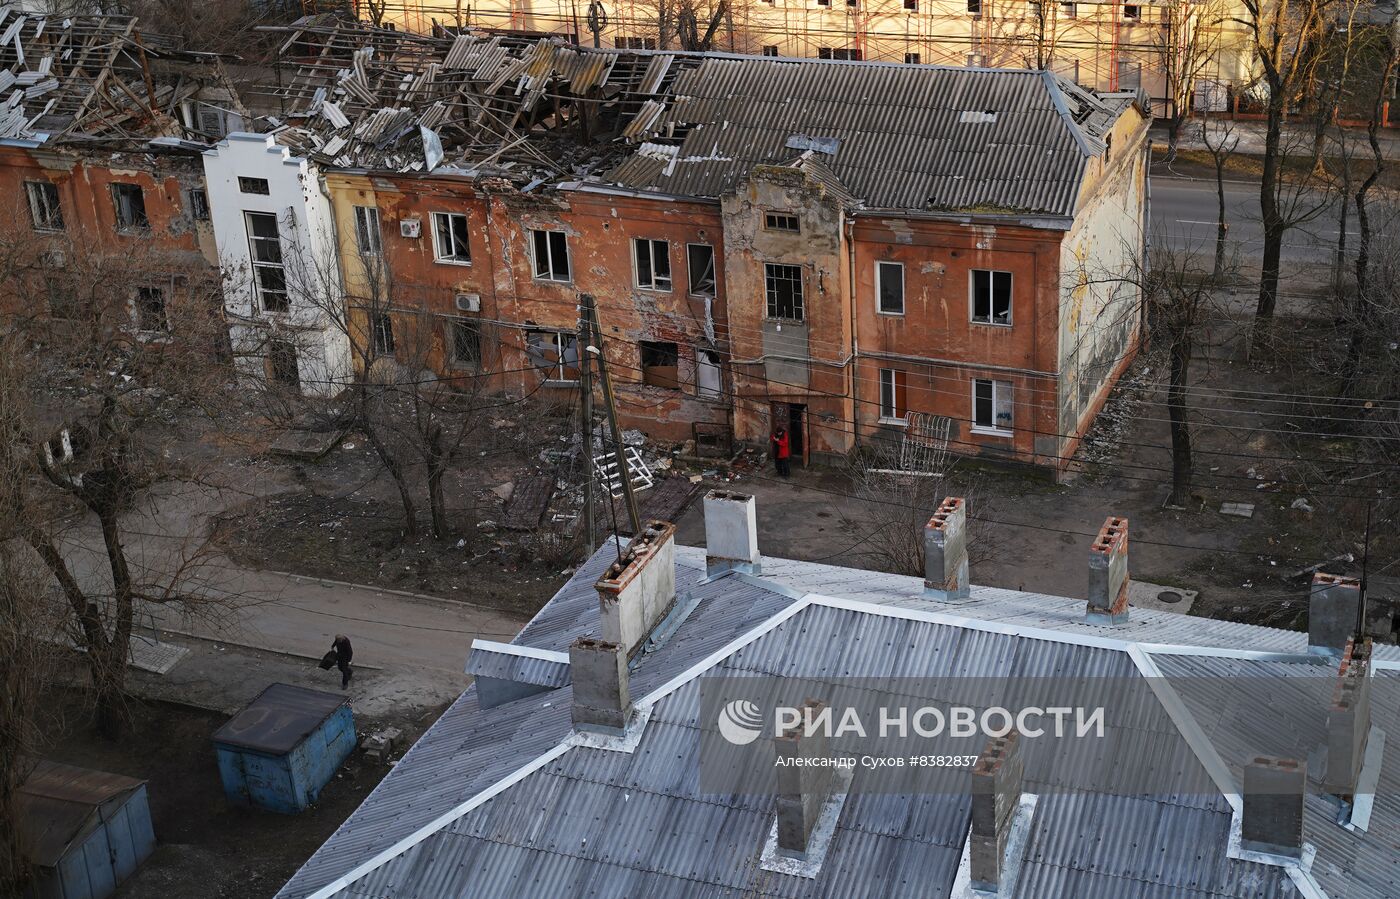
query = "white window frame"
{"x": 881, "y": 266}
{"x": 655, "y": 249}
{"x": 132, "y": 227}
{"x": 548, "y": 273}
{"x": 40, "y": 213}
{"x": 369, "y": 240}
{"x": 446, "y": 223}
{"x": 690, "y": 272}
{"x": 991, "y": 298}
{"x": 890, "y": 413}
{"x": 382, "y": 340}
{"x": 555, "y": 375}
{"x": 998, "y": 388}
{"x": 281, "y": 266}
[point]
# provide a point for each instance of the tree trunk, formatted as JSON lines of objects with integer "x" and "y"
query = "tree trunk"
{"x": 108, "y": 660}
{"x": 1174, "y": 135}
{"x": 391, "y": 465}
{"x": 1176, "y": 413}
{"x": 1222, "y": 228}
{"x": 1274, "y": 224}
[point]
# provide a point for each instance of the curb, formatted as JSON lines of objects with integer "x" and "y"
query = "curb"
{"x": 1172, "y": 176}
{"x": 425, "y": 597}
{"x": 280, "y": 652}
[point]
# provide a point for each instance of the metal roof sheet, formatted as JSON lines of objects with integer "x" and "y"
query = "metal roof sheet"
{"x": 278, "y": 719}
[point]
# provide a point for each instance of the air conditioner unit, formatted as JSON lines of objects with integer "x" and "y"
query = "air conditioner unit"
{"x": 468, "y": 302}
{"x": 410, "y": 228}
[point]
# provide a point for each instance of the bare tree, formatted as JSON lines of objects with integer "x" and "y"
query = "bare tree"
{"x": 126, "y": 348}
{"x": 1187, "y": 44}
{"x": 1221, "y": 147}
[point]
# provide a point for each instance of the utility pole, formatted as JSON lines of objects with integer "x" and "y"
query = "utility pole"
{"x": 1365, "y": 564}
{"x": 585, "y": 383}
{"x": 623, "y": 471}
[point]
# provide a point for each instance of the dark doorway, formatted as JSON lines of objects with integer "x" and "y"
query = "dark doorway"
{"x": 797, "y": 428}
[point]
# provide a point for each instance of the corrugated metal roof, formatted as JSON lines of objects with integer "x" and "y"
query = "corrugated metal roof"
{"x": 597, "y": 822}
{"x": 906, "y": 140}
{"x": 278, "y": 719}
{"x": 522, "y": 669}
{"x": 58, "y": 803}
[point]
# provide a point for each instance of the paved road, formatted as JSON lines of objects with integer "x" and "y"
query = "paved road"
{"x": 1183, "y": 216}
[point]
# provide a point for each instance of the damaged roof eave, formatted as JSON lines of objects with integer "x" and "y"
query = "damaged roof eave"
{"x": 1044, "y": 221}
{"x": 594, "y": 187}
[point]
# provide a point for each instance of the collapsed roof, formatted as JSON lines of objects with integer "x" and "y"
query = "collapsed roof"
{"x": 102, "y": 80}
{"x": 887, "y": 136}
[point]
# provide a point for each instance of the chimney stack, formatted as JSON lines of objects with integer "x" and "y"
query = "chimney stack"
{"x": 945, "y": 552}
{"x": 731, "y": 533}
{"x": 802, "y": 789}
{"x": 599, "y": 672}
{"x": 1272, "y": 818}
{"x": 1349, "y": 720}
{"x": 996, "y": 793}
{"x": 636, "y": 591}
{"x": 1108, "y": 573}
{"x": 1333, "y": 607}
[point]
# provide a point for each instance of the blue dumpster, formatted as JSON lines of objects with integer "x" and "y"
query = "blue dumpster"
{"x": 284, "y": 747}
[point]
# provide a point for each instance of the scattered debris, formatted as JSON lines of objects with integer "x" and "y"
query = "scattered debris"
{"x": 380, "y": 745}
{"x": 1238, "y": 510}
{"x": 1301, "y": 505}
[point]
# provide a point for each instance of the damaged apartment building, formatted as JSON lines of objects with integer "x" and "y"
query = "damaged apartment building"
{"x": 101, "y": 129}
{"x": 858, "y": 252}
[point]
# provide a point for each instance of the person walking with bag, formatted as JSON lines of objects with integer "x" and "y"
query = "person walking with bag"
{"x": 339, "y": 657}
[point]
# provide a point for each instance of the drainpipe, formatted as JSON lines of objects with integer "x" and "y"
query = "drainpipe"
{"x": 855, "y": 336}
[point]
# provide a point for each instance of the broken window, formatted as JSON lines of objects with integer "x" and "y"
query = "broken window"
{"x": 44, "y": 209}
{"x": 653, "y": 263}
{"x": 912, "y": 59}
{"x": 556, "y": 352}
{"x": 991, "y": 405}
{"x": 381, "y": 332}
{"x": 707, "y": 374}
{"x": 974, "y": 7}
{"x": 1132, "y": 11}
{"x": 700, "y": 265}
{"x": 465, "y": 342}
{"x": 770, "y": 49}
{"x": 991, "y": 297}
{"x": 367, "y": 236}
{"x": 781, "y": 221}
{"x": 150, "y": 309}
{"x": 889, "y": 287}
{"x": 253, "y": 186}
{"x": 660, "y": 363}
{"x": 783, "y": 285}
{"x": 265, "y": 252}
{"x": 129, "y": 201}
{"x": 282, "y": 360}
{"x": 911, "y": 5}
{"x": 894, "y": 402}
{"x": 551, "y": 256}
{"x": 197, "y": 202}
{"x": 450, "y": 238}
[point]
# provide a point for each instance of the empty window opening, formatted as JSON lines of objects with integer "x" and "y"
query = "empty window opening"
{"x": 770, "y": 50}
{"x": 991, "y": 405}
{"x": 700, "y": 265}
{"x": 1132, "y": 11}
{"x": 781, "y": 221}
{"x": 635, "y": 43}
{"x": 660, "y": 363}
{"x": 197, "y": 202}
{"x": 44, "y": 209}
{"x": 974, "y": 7}
{"x": 991, "y": 297}
{"x": 911, "y": 5}
{"x": 555, "y": 353}
{"x": 253, "y": 186}
{"x": 450, "y": 238}
{"x": 1069, "y": 9}
{"x": 551, "y": 255}
{"x": 894, "y": 404}
{"x": 707, "y": 374}
{"x": 150, "y": 309}
{"x": 269, "y": 270}
{"x": 465, "y": 343}
{"x": 783, "y": 286}
{"x": 912, "y": 59}
{"x": 367, "y": 237}
{"x": 848, "y": 53}
{"x": 653, "y": 263}
{"x": 129, "y": 201}
{"x": 889, "y": 286}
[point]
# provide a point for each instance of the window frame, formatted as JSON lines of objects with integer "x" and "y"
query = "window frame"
{"x": 997, "y": 387}
{"x": 911, "y": 5}
{"x": 135, "y": 227}
{"x": 381, "y": 335}
{"x": 650, "y": 244}
{"x": 768, "y": 47}
{"x": 1069, "y": 9}
{"x": 255, "y": 186}
{"x": 560, "y": 345}
{"x": 894, "y": 396}
{"x": 778, "y": 220}
{"x": 690, "y": 271}
{"x": 455, "y": 358}
{"x": 913, "y": 59}
{"x": 771, "y": 307}
{"x": 880, "y": 265}
{"x": 991, "y": 298}
{"x": 32, "y": 190}
{"x": 549, "y": 275}
{"x": 254, "y": 241}
{"x": 649, "y": 377}
{"x": 974, "y": 7}
{"x": 1135, "y": 15}
{"x": 197, "y": 201}
{"x": 365, "y": 216}
{"x": 438, "y": 218}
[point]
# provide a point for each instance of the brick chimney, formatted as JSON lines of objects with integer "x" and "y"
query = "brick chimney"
{"x": 1349, "y": 720}
{"x": 599, "y": 672}
{"x": 1272, "y": 818}
{"x": 635, "y": 592}
{"x": 1333, "y": 606}
{"x": 997, "y": 778}
{"x": 945, "y": 552}
{"x": 731, "y": 533}
{"x": 802, "y": 790}
{"x": 1108, "y": 573}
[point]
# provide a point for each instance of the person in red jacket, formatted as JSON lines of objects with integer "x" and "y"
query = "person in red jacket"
{"x": 782, "y": 452}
